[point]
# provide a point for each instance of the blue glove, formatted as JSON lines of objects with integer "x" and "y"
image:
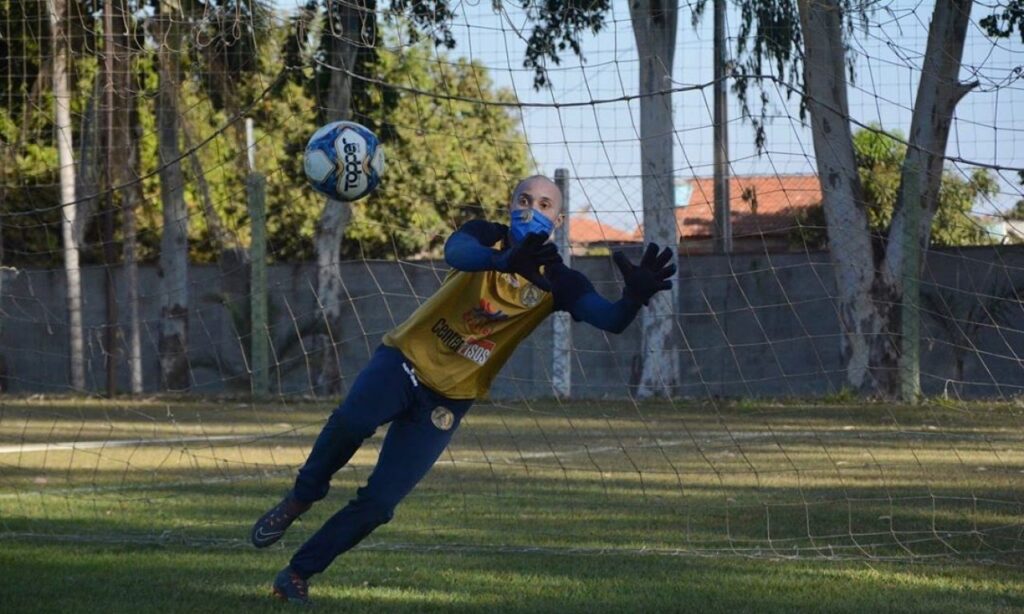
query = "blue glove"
{"x": 650, "y": 277}
{"x": 527, "y": 257}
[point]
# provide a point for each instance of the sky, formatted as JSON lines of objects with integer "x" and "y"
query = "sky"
{"x": 599, "y": 142}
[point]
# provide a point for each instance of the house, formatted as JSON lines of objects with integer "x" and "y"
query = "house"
{"x": 764, "y": 209}
{"x": 590, "y": 233}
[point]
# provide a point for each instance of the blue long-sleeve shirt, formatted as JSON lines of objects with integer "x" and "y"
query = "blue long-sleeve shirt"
{"x": 470, "y": 249}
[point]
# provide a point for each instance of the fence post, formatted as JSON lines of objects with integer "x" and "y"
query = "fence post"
{"x": 910, "y": 315}
{"x": 561, "y": 359}
{"x": 255, "y": 189}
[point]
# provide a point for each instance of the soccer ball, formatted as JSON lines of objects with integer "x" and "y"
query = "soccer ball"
{"x": 344, "y": 161}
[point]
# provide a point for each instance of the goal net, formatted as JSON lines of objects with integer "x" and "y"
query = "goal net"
{"x": 179, "y": 311}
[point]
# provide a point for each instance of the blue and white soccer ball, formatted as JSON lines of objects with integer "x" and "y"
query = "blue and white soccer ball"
{"x": 344, "y": 161}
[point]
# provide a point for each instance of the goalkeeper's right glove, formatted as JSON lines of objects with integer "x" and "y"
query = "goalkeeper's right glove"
{"x": 648, "y": 278}
{"x": 526, "y": 259}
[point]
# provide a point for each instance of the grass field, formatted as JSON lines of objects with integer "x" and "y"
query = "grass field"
{"x": 597, "y": 506}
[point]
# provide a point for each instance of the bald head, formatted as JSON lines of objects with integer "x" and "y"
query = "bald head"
{"x": 541, "y": 186}
{"x": 539, "y": 193}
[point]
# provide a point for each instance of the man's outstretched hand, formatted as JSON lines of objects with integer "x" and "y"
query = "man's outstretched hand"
{"x": 526, "y": 259}
{"x": 649, "y": 277}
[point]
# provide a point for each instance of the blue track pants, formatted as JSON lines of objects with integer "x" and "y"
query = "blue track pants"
{"x": 422, "y": 424}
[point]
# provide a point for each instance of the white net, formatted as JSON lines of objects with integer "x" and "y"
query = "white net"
{"x": 773, "y": 441}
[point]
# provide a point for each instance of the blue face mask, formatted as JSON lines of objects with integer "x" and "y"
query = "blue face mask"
{"x": 528, "y": 221}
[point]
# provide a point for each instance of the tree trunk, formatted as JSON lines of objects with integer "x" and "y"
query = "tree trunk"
{"x": 65, "y": 157}
{"x": 938, "y": 93}
{"x": 329, "y": 231}
{"x": 125, "y": 137}
{"x": 869, "y": 273}
{"x": 351, "y": 28}
{"x": 842, "y": 198}
{"x": 129, "y": 200}
{"x": 173, "y": 269}
{"x": 654, "y": 26}
{"x": 87, "y": 166}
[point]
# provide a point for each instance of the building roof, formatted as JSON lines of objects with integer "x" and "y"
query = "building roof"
{"x": 759, "y": 204}
{"x": 586, "y": 228}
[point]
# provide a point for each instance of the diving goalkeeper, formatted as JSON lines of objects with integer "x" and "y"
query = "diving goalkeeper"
{"x": 425, "y": 375}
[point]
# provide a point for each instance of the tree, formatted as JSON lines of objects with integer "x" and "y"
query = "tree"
{"x": 348, "y": 43}
{"x": 434, "y": 181}
{"x": 173, "y": 270}
{"x": 868, "y": 273}
{"x": 68, "y": 202}
{"x": 654, "y": 28}
{"x": 123, "y": 146}
{"x": 1017, "y": 213}
{"x": 879, "y": 157}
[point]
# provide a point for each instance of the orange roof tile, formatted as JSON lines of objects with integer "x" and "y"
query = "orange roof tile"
{"x": 585, "y": 228}
{"x": 759, "y": 204}
{"x": 764, "y": 204}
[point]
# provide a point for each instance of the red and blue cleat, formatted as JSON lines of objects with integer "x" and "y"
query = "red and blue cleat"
{"x": 291, "y": 587}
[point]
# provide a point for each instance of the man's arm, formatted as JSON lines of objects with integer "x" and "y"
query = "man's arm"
{"x": 597, "y": 311}
{"x": 576, "y": 294}
{"x": 468, "y": 249}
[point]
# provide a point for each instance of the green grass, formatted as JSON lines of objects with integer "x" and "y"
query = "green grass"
{"x": 536, "y": 506}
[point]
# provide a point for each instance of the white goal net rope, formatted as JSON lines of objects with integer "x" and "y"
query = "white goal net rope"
{"x": 764, "y": 446}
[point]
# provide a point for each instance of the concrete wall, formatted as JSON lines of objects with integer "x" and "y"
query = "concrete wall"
{"x": 749, "y": 326}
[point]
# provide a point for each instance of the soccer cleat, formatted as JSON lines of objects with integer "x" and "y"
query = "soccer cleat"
{"x": 291, "y": 587}
{"x": 272, "y": 525}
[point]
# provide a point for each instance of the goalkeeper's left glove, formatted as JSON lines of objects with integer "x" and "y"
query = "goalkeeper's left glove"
{"x": 650, "y": 277}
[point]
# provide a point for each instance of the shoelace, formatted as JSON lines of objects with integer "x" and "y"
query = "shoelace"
{"x": 279, "y": 515}
{"x": 299, "y": 583}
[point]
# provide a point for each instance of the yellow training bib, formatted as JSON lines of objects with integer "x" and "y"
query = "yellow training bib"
{"x": 461, "y": 337}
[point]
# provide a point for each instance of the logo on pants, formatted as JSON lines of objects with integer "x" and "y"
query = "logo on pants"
{"x": 443, "y": 418}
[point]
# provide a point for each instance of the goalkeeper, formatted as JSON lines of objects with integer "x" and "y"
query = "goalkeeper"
{"x": 423, "y": 378}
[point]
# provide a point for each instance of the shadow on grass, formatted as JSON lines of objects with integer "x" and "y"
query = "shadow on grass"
{"x": 81, "y": 578}
{"x": 466, "y": 506}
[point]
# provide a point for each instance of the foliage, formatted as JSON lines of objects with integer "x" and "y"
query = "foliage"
{"x": 1017, "y": 213}
{"x": 555, "y": 27}
{"x": 879, "y": 165}
{"x": 450, "y": 159}
{"x": 1003, "y": 20}
{"x": 769, "y": 35}
{"x": 434, "y": 180}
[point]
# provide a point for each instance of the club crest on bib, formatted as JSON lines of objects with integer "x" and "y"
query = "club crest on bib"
{"x": 529, "y": 295}
{"x": 443, "y": 418}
